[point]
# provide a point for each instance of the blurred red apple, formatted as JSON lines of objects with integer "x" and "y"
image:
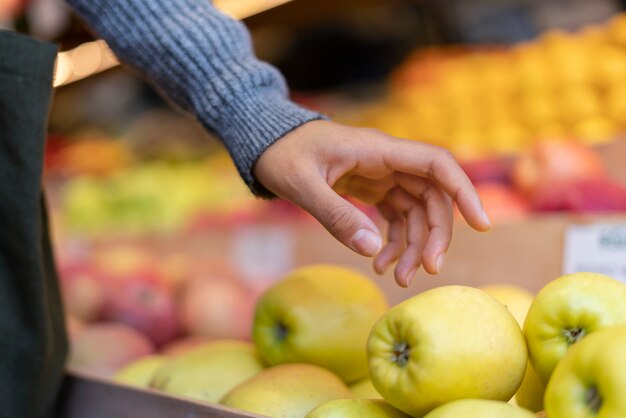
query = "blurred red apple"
{"x": 216, "y": 307}
{"x": 487, "y": 171}
{"x": 580, "y": 195}
{"x": 83, "y": 291}
{"x": 501, "y": 202}
{"x": 555, "y": 161}
{"x": 144, "y": 301}
{"x": 183, "y": 345}
{"x": 103, "y": 348}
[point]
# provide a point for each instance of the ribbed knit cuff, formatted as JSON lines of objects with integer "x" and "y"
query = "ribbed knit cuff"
{"x": 203, "y": 61}
{"x": 255, "y": 122}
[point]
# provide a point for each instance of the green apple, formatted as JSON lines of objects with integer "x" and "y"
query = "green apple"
{"x": 364, "y": 389}
{"x": 448, "y": 343}
{"x": 479, "y": 408}
{"x": 518, "y": 301}
{"x": 590, "y": 380}
{"x": 140, "y": 372}
{"x": 356, "y": 408}
{"x": 287, "y": 391}
{"x": 319, "y": 314}
{"x": 207, "y": 372}
{"x": 565, "y": 311}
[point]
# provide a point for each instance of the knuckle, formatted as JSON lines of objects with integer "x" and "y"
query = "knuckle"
{"x": 339, "y": 218}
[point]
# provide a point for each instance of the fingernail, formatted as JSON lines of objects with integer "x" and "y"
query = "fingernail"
{"x": 409, "y": 277}
{"x": 439, "y": 262}
{"x": 486, "y": 218}
{"x": 366, "y": 242}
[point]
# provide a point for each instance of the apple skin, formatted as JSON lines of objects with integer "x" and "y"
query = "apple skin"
{"x": 183, "y": 345}
{"x": 364, "y": 389}
{"x": 589, "y": 382}
{"x": 83, "y": 290}
{"x": 217, "y": 307}
{"x": 566, "y": 310}
{"x": 209, "y": 371}
{"x": 518, "y": 301}
{"x": 143, "y": 300}
{"x": 580, "y": 195}
{"x": 319, "y": 314}
{"x": 502, "y": 202}
{"x": 140, "y": 372}
{"x": 557, "y": 160}
{"x": 356, "y": 408}
{"x": 287, "y": 391}
{"x": 479, "y": 408}
{"x": 447, "y": 343}
{"x": 103, "y": 348}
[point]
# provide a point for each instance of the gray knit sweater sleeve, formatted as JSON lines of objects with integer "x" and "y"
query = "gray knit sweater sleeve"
{"x": 203, "y": 61}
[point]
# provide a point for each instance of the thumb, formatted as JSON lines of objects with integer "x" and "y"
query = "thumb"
{"x": 344, "y": 221}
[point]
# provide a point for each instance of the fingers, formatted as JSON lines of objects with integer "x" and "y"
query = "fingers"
{"x": 344, "y": 221}
{"x": 438, "y": 165}
{"x": 395, "y": 237}
{"x": 413, "y": 213}
{"x": 439, "y": 218}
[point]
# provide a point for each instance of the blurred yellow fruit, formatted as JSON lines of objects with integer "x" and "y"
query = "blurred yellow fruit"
{"x": 596, "y": 130}
{"x": 616, "y": 102}
{"x": 617, "y": 29}
{"x": 578, "y": 101}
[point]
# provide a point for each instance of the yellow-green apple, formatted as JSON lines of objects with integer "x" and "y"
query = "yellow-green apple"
{"x": 447, "y": 343}
{"x": 565, "y": 311}
{"x": 287, "y": 391}
{"x": 103, "y": 348}
{"x": 479, "y": 408}
{"x": 356, "y": 408}
{"x": 319, "y": 314}
{"x": 589, "y": 381}
{"x": 140, "y": 372}
{"x": 518, "y": 301}
{"x": 364, "y": 389}
{"x": 207, "y": 372}
{"x": 531, "y": 392}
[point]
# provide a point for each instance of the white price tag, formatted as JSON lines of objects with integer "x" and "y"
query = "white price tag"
{"x": 263, "y": 252}
{"x": 598, "y": 248}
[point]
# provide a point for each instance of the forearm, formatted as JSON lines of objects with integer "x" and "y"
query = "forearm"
{"x": 203, "y": 61}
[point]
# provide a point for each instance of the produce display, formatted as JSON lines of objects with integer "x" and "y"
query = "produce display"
{"x": 551, "y": 176}
{"x": 498, "y": 100}
{"x": 446, "y": 352}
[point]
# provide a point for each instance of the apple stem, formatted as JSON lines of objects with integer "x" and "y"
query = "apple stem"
{"x": 574, "y": 335}
{"x": 593, "y": 399}
{"x": 401, "y": 351}
{"x": 281, "y": 331}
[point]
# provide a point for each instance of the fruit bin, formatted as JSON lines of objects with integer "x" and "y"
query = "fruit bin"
{"x": 83, "y": 396}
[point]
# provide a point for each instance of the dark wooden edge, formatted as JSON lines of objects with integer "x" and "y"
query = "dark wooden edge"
{"x": 89, "y": 397}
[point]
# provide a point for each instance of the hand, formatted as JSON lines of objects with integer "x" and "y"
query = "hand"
{"x": 412, "y": 185}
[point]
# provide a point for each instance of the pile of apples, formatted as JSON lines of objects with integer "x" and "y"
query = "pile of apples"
{"x": 124, "y": 301}
{"x": 494, "y": 100}
{"x": 551, "y": 176}
{"x": 325, "y": 344}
